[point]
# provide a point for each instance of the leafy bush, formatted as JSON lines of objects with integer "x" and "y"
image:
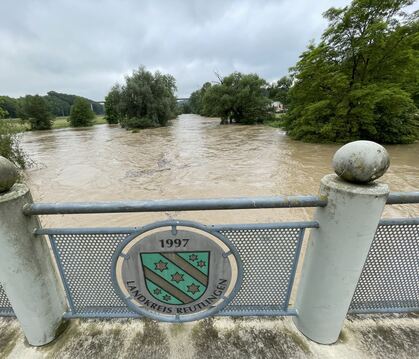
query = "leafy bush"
{"x": 10, "y": 144}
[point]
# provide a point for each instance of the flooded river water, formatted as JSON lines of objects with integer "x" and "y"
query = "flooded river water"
{"x": 195, "y": 157}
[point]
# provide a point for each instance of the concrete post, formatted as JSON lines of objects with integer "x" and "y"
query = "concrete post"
{"x": 27, "y": 273}
{"x": 336, "y": 252}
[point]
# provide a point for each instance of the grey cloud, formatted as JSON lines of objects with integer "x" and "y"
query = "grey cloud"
{"x": 84, "y": 47}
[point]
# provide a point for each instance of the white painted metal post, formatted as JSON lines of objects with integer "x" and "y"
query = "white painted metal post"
{"x": 337, "y": 250}
{"x": 27, "y": 272}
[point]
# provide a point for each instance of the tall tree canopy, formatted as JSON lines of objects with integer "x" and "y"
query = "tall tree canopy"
{"x": 36, "y": 111}
{"x": 238, "y": 97}
{"x": 362, "y": 80}
{"x": 112, "y": 101}
{"x": 145, "y": 100}
{"x": 81, "y": 113}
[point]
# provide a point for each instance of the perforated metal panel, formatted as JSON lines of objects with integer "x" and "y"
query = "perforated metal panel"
{"x": 84, "y": 261}
{"x": 390, "y": 279}
{"x": 5, "y": 306}
{"x": 269, "y": 257}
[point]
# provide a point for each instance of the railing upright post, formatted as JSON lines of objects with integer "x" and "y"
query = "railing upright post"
{"x": 337, "y": 250}
{"x": 27, "y": 272}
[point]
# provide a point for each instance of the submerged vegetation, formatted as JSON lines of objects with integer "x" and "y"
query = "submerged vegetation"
{"x": 145, "y": 100}
{"x": 239, "y": 98}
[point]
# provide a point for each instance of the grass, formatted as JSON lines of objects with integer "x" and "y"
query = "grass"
{"x": 58, "y": 122}
{"x": 277, "y": 121}
{"x": 62, "y": 122}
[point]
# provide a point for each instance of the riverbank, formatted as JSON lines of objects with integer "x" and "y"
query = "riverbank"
{"x": 58, "y": 122}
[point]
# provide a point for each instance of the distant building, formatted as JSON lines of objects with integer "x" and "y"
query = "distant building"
{"x": 277, "y": 106}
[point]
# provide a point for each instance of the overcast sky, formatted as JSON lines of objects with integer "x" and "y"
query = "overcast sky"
{"x": 84, "y": 47}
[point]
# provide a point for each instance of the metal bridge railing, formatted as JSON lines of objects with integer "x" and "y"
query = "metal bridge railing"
{"x": 270, "y": 252}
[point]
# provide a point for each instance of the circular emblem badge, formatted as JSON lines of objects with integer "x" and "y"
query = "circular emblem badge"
{"x": 176, "y": 271}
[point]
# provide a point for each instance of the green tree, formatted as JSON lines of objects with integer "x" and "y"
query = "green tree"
{"x": 145, "y": 100}
{"x": 112, "y": 101}
{"x": 81, "y": 114}
{"x": 278, "y": 91}
{"x": 196, "y": 101}
{"x": 36, "y": 111}
{"x": 238, "y": 97}
{"x": 362, "y": 80}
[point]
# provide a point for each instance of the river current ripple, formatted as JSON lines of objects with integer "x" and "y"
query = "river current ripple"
{"x": 194, "y": 157}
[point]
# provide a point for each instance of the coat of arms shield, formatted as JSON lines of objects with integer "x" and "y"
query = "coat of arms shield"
{"x": 176, "y": 278}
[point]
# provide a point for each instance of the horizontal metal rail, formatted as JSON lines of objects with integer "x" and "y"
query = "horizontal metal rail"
{"x": 399, "y": 221}
{"x": 383, "y": 310}
{"x": 403, "y": 197}
{"x": 216, "y": 227}
{"x": 196, "y": 204}
{"x": 85, "y": 230}
{"x": 175, "y": 205}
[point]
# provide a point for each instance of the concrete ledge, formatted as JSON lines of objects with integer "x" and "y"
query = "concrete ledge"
{"x": 366, "y": 336}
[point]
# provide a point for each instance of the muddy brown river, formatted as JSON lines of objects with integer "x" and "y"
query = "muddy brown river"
{"x": 195, "y": 157}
